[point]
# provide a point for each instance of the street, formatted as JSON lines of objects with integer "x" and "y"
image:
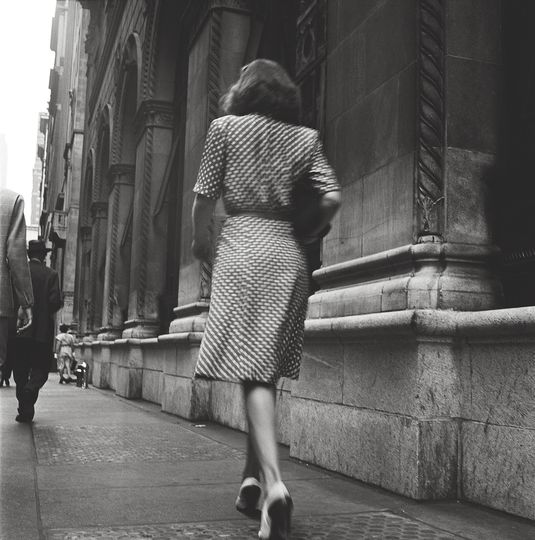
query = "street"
{"x": 93, "y": 465}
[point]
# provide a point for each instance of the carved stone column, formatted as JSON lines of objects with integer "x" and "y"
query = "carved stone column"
{"x": 84, "y": 289}
{"x": 147, "y": 275}
{"x": 99, "y": 213}
{"x": 431, "y": 249}
{"x": 211, "y": 70}
{"x": 117, "y": 273}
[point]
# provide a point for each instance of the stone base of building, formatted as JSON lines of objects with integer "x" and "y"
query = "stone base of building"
{"x": 430, "y": 404}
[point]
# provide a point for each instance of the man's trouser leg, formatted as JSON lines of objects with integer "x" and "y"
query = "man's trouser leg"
{"x": 30, "y": 373}
{"x": 3, "y": 341}
{"x": 21, "y": 369}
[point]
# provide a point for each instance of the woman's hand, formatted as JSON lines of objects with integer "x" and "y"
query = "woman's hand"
{"x": 202, "y": 249}
{"x": 203, "y": 209}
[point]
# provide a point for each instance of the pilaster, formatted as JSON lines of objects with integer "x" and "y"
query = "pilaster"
{"x": 84, "y": 287}
{"x": 212, "y": 68}
{"x": 99, "y": 215}
{"x": 154, "y": 126}
{"x": 117, "y": 276}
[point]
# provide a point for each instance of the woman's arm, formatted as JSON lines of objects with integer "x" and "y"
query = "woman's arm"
{"x": 203, "y": 209}
{"x": 328, "y": 206}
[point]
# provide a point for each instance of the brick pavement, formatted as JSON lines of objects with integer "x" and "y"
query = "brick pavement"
{"x": 93, "y": 465}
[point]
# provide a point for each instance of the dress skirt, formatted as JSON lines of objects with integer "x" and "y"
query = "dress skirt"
{"x": 258, "y": 303}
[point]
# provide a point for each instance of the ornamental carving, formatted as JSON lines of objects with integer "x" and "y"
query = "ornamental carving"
{"x": 85, "y": 233}
{"x": 99, "y": 210}
{"x": 214, "y": 64}
{"x": 311, "y": 35}
{"x": 431, "y": 117}
{"x": 197, "y": 12}
{"x": 121, "y": 173}
{"x": 154, "y": 113}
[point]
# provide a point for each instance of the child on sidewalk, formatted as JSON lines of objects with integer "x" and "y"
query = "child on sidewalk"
{"x": 65, "y": 354}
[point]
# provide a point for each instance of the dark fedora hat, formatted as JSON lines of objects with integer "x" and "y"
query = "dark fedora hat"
{"x": 37, "y": 246}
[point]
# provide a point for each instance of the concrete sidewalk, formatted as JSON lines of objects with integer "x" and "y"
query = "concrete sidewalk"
{"x": 93, "y": 465}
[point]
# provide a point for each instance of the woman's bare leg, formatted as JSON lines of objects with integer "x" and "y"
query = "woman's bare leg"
{"x": 252, "y": 467}
{"x": 260, "y": 407}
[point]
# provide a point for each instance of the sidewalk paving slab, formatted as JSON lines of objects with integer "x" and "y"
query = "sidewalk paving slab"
{"x": 96, "y": 466}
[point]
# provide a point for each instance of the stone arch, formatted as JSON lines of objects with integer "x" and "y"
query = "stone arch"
{"x": 128, "y": 98}
{"x": 161, "y": 55}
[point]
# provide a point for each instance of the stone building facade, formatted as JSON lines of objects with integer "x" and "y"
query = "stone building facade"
{"x": 38, "y": 178}
{"x": 64, "y": 146}
{"x": 418, "y": 368}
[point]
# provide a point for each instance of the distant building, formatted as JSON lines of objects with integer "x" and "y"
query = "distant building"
{"x": 64, "y": 144}
{"x": 3, "y": 161}
{"x": 38, "y": 178}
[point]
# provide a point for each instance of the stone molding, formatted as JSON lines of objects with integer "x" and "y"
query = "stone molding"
{"x": 108, "y": 334}
{"x": 140, "y": 328}
{"x": 402, "y": 260}
{"x": 189, "y": 318}
{"x": 431, "y": 122}
{"x": 418, "y": 276}
{"x": 426, "y": 323}
{"x": 195, "y": 308}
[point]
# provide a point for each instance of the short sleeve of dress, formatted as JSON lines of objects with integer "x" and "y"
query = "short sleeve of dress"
{"x": 212, "y": 169}
{"x": 321, "y": 174}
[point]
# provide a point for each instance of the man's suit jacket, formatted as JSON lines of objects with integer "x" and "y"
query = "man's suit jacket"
{"x": 47, "y": 300}
{"x": 14, "y": 270}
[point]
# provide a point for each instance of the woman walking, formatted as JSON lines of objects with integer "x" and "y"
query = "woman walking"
{"x": 253, "y": 157}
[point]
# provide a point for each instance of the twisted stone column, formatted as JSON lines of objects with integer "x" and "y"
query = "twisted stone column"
{"x": 117, "y": 270}
{"x": 99, "y": 212}
{"x": 147, "y": 275}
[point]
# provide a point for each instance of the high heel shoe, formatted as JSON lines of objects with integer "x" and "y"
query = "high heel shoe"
{"x": 276, "y": 514}
{"x": 248, "y": 500}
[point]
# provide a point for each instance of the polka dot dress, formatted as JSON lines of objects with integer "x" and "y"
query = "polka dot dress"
{"x": 259, "y": 295}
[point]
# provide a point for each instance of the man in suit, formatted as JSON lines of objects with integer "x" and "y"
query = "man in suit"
{"x": 33, "y": 346}
{"x": 14, "y": 270}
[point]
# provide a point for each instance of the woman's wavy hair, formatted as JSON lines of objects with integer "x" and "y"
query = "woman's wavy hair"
{"x": 264, "y": 87}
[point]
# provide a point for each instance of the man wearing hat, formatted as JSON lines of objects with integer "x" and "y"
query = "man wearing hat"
{"x": 15, "y": 282}
{"x": 33, "y": 346}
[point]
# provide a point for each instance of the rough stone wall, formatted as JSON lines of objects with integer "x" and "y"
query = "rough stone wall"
{"x": 474, "y": 72}
{"x": 370, "y": 120}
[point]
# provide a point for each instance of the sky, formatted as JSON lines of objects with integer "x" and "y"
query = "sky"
{"x": 25, "y": 63}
